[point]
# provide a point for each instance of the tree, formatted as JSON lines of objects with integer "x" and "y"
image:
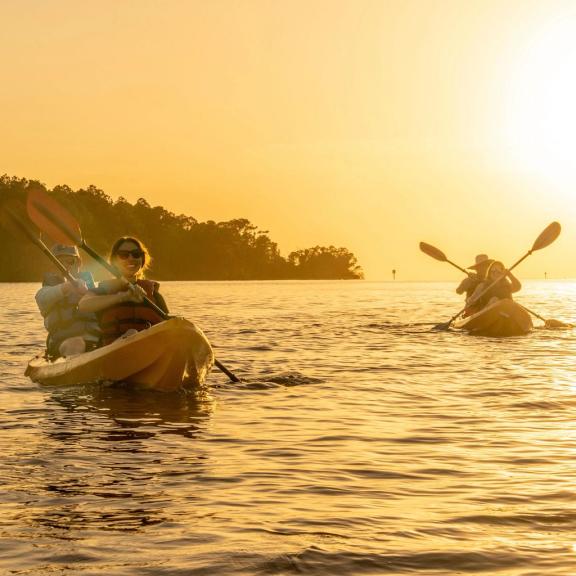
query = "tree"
{"x": 322, "y": 262}
{"x": 182, "y": 248}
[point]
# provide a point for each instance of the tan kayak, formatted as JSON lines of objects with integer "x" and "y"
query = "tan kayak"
{"x": 503, "y": 318}
{"x": 169, "y": 356}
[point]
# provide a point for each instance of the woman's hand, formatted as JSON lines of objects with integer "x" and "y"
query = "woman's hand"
{"x": 92, "y": 302}
{"x": 114, "y": 285}
{"x": 134, "y": 294}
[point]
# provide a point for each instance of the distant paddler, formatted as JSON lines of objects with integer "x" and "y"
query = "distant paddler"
{"x": 546, "y": 237}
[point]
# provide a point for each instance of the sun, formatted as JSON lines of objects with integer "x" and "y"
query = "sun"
{"x": 540, "y": 113}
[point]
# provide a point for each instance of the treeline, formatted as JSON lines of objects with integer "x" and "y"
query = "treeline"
{"x": 182, "y": 248}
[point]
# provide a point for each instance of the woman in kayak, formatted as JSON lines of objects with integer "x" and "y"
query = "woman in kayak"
{"x": 498, "y": 284}
{"x": 123, "y": 305}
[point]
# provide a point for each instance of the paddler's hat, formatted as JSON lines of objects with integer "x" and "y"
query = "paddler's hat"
{"x": 482, "y": 260}
{"x": 64, "y": 250}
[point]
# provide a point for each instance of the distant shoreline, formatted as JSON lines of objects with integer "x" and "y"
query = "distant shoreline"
{"x": 180, "y": 245}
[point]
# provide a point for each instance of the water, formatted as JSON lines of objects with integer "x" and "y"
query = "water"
{"x": 359, "y": 442}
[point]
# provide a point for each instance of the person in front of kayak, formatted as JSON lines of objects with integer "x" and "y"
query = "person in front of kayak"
{"x": 469, "y": 284}
{"x": 473, "y": 280}
{"x": 120, "y": 304}
{"x": 70, "y": 331}
{"x": 498, "y": 284}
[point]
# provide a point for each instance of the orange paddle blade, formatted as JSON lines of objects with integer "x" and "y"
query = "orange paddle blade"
{"x": 52, "y": 218}
{"x": 552, "y": 323}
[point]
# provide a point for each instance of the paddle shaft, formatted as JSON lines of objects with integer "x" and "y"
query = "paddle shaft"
{"x": 459, "y": 268}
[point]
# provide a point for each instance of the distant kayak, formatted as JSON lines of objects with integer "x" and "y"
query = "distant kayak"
{"x": 503, "y": 318}
{"x": 169, "y": 356}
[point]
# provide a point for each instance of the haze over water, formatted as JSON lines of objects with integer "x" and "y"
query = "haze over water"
{"x": 359, "y": 442}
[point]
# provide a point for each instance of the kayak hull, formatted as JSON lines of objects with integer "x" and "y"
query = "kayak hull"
{"x": 169, "y": 356}
{"x": 500, "y": 319}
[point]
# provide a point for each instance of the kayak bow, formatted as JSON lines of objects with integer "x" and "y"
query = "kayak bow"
{"x": 503, "y": 318}
{"x": 169, "y": 356}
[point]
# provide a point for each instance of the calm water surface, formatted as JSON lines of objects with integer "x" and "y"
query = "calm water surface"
{"x": 359, "y": 442}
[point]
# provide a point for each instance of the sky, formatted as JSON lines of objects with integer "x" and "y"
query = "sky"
{"x": 369, "y": 124}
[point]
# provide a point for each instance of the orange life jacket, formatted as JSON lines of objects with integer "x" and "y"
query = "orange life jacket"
{"x": 116, "y": 320}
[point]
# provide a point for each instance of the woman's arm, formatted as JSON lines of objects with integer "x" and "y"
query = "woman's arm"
{"x": 515, "y": 284}
{"x": 92, "y": 302}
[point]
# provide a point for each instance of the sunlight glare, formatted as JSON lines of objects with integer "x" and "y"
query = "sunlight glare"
{"x": 540, "y": 124}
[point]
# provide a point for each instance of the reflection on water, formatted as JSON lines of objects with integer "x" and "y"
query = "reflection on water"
{"x": 133, "y": 411}
{"x": 98, "y": 467}
{"x": 358, "y": 442}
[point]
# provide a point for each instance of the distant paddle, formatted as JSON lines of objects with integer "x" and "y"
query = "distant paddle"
{"x": 546, "y": 237}
{"x": 437, "y": 254}
{"x": 549, "y": 322}
{"x": 53, "y": 219}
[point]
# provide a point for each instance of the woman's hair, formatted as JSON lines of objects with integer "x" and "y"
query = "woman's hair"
{"x": 492, "y": 264}
{"x": 146, "y": 258}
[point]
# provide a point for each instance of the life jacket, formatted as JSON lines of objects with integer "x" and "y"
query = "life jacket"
{"x": 500, "y": 290}
{"x": 116, "y": 320}
{"x": 63, "y": 320}
{"x": 471, "y": 310}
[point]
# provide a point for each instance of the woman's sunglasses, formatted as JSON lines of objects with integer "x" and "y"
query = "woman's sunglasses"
{"x": 124, "y": 254}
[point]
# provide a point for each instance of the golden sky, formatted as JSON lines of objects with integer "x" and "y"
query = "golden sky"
{"x": 369, "y": 124}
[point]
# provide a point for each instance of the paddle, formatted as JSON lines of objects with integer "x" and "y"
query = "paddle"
{"x": 550, "y": 322}
{"x": 439, "y": 255}
{"x": 546, "y": 237}
{"x": 53, "y": 219}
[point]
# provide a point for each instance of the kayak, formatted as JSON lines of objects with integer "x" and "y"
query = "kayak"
{"x": 169, "y": 356}
{"x": 502, "y": 318}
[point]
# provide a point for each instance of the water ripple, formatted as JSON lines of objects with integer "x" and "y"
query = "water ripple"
{"x": 358, "y": 441}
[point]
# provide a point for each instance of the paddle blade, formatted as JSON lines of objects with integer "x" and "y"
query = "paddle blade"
{"x": 52, "y": 218}
{"x": 433, "y": 252}
{"x": 548, "y": 235}
{"x": 552, "y": 323}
